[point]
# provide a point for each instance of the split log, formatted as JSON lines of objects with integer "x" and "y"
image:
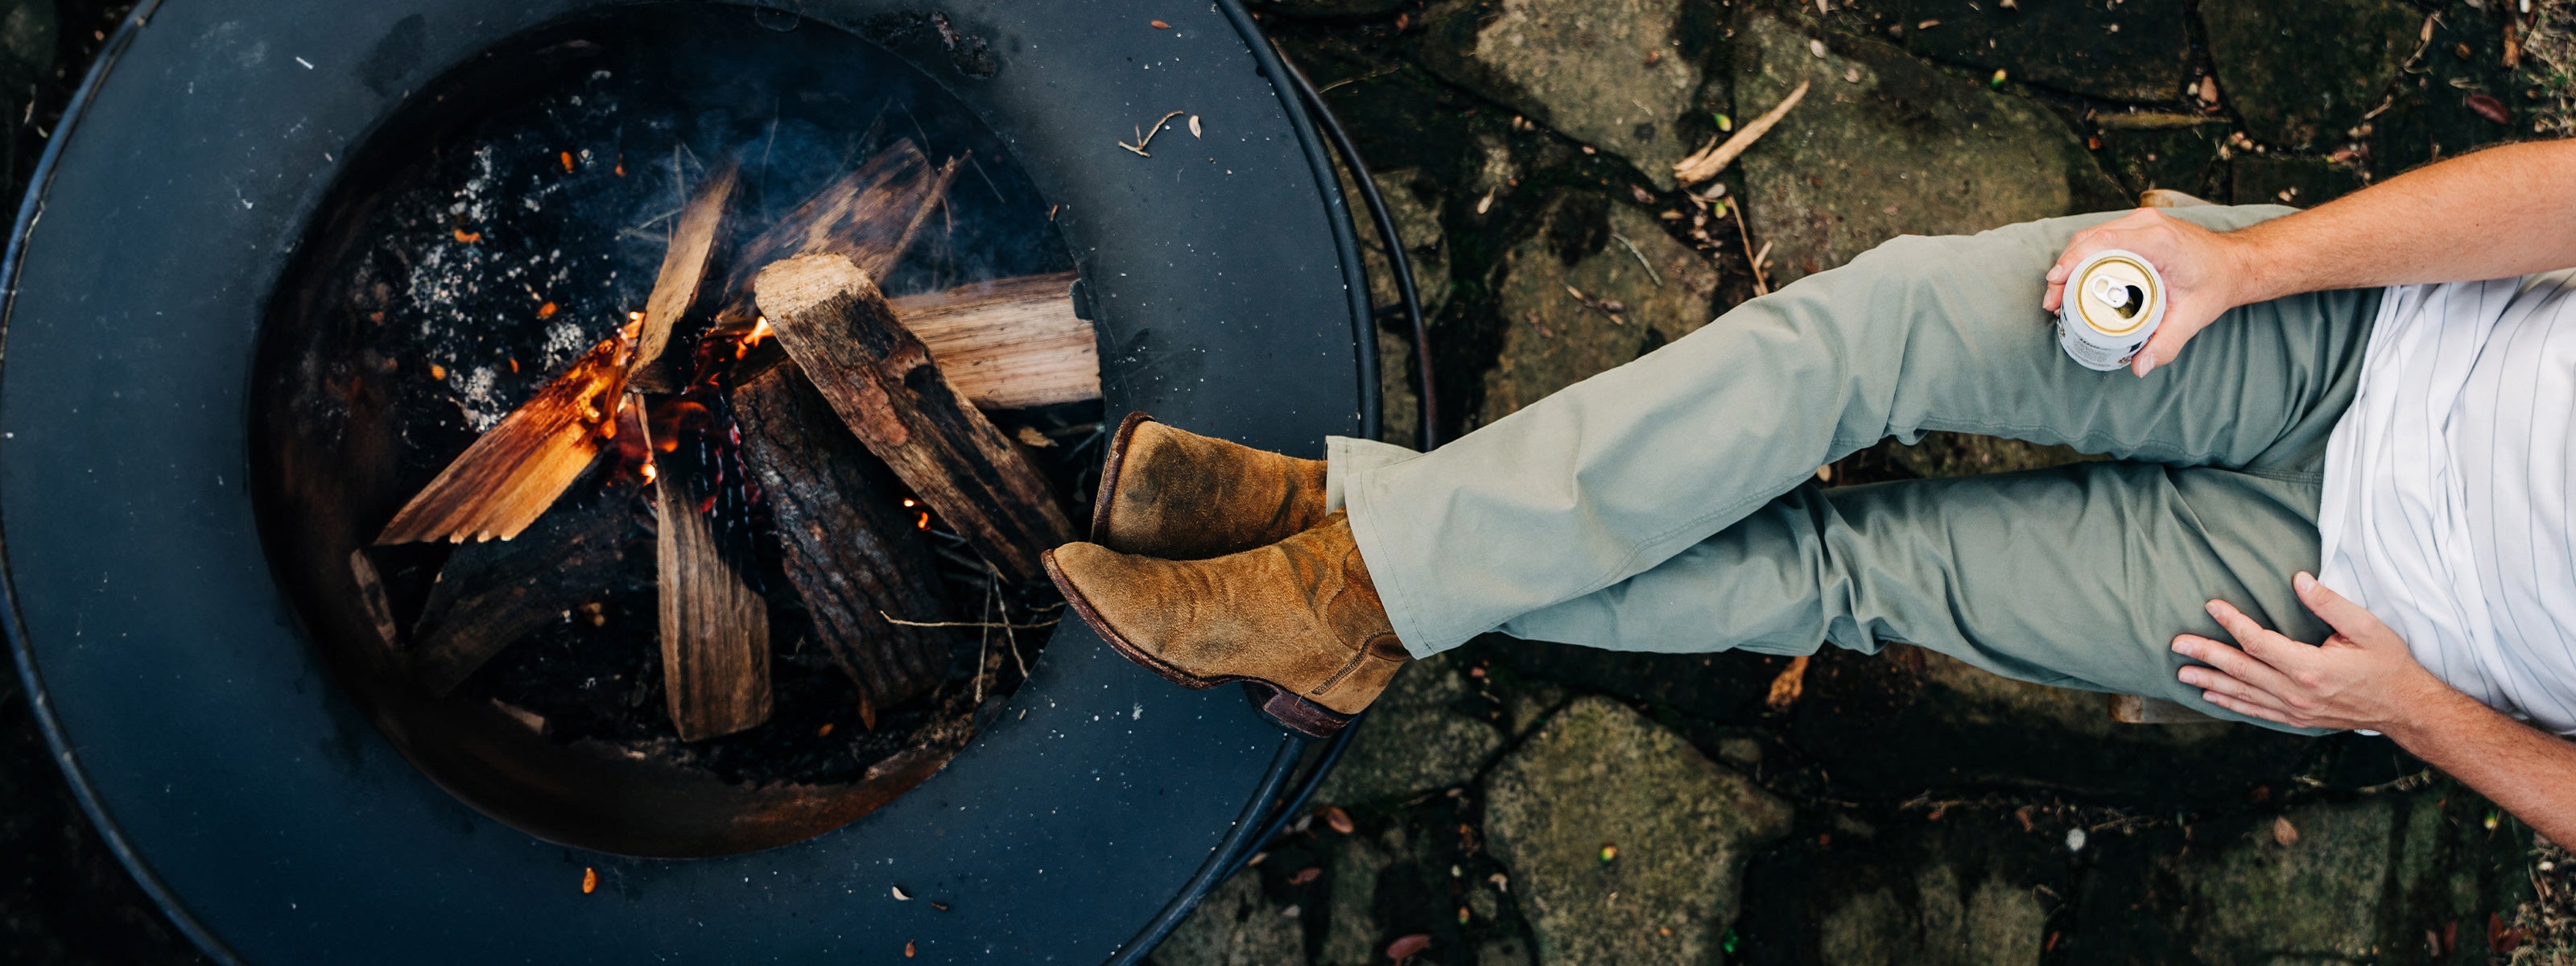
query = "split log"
{"x": 879, "y": 378}
{"x": 490, "y": 595}
{"x": 684, "y": 270}
{"x": 715, "y": 627}
{"x": 515, "y": 471}
{"x": 1008, "y": 344}
{"x": 853, "y": 554}
{"x": 869, "y": 215}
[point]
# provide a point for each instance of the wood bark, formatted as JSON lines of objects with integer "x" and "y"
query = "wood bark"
{"x": 490, "y": 595}
{"x": 1008, "y": 344}
{"x": 514, "y": 471}
{"x": 868, "y": 216}
{"x": 880, "y": 380}
{"x": 684, "y": 271}
{"x": 715, "y": 627}
{"x": 852, "y": 552}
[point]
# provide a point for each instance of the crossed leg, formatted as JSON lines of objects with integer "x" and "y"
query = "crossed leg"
{"x": 1668, "y": 504}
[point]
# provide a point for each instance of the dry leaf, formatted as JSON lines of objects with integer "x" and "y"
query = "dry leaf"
{"x": 1486, "y": 202}
{"x": 1927, "y": 25}
{"x": 2283, "y": 832}
{"x": 1159, "y": 25}
{"x": 589, "y": 880}
{"x": 2488, "y": 107}
{"x": 1031, "y": 436}
{"x": 1643, "y": 196}
{"x": 1338, "y": 819}
{"x": 1408, "y": 947}
{"x": 2209, "y": 89}
{"x": 909, "y": 950}
{"x": 899, "y": 895}
{"x": 1816, "y": 47}
{"x": 1194, "y": 127}
{"x": 1305, "y": 875}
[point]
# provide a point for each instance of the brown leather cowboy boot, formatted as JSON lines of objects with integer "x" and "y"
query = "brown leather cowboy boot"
{"x": 1181, "y": 496}
{"x": 1298, "y": 620}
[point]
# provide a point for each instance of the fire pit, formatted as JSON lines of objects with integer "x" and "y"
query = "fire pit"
{"x": 210, "y": 440}
{"x": 465, "y": 505}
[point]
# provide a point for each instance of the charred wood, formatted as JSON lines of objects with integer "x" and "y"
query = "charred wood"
{"x": 852, "y": 553}
{"x": 490, "y": 595}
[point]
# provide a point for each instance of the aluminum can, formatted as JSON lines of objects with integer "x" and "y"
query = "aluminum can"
{"x": 2112, "y": 304}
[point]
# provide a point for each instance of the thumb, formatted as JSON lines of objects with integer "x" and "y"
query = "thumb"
{"x": 2348, "y": 619}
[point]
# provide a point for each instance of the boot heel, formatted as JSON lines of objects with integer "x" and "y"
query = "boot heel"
{"x": 1294, "y": 713}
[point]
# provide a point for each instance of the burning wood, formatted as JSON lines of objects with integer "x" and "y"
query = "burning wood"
{"x": 896, "y": 391}
{"x": 515, "y": 471}
{"x": 684, "y": 270}
{"x": 715, "y": 627}
{"x": 879, "y": 378}
{"x": 852, "y": 554}
{"x": 1008, "y": 344}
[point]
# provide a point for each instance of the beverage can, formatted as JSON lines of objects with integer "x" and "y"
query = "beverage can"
{"x": 2112, "y": 304}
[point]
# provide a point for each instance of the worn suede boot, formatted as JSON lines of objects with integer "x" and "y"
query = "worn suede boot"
{"x": 1298, "y": 620}
{"x": 1181, "y": 496}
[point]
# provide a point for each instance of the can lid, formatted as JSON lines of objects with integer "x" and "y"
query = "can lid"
{"x": 2117, "y": 294}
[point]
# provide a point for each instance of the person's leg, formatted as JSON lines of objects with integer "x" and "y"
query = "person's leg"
{"x": 2076, "y": 577}
{"x": 1613, "y": 475}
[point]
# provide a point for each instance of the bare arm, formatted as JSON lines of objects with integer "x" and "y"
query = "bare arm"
{"x": 2364, "y": 677}
{"x": 2505, "y": 211}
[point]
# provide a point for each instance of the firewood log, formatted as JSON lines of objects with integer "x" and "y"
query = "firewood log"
{"x": 491, "y": 595}
{"x": 677, "y": 287}
{"x": 1008, "y": 344}
{"x": 514, "y": 471}
{"x": 715, "y": 627}
{"x": 852, "y": 552}
{"x": 879, "y": 378}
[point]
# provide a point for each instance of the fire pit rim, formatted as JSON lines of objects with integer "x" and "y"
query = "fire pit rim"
{"x": 12, "y": 621}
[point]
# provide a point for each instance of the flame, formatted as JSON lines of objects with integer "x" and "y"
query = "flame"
{"x": 924, "y": 522}
{"x": 650, "y": 472}
{"x": 759, "y": 330}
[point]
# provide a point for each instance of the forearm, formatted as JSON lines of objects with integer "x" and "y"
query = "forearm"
{"x": 2526, "y": 771}
{"x": 2501, "y": 212}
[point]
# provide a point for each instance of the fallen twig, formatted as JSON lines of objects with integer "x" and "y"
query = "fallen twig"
{"x": 1641, "y": 259}
{"x": 1753, "y": 260}
{"x": 1708, "y": 161}
{"x": 1146, "y": 136}
{"x": 891, "y": 619}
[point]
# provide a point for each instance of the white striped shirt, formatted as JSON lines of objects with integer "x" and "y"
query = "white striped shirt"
{"x": 2450, "y": 491}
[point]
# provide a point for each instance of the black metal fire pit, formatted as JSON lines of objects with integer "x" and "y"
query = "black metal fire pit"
{"x": 271, "y": 807}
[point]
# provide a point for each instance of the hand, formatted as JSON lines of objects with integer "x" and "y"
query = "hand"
{"x": 2362, "y": 677}
{"x": 2202, "y": 270}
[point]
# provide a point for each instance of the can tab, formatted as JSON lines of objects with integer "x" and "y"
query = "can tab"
{"x": 2119, "y": 297}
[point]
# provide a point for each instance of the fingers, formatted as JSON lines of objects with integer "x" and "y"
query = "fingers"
{"x": 2347, "y": 618}
{"x": 2230, "y": 661}
{"x": 2251, "y": 710}
{"x": 2265, "y": 644}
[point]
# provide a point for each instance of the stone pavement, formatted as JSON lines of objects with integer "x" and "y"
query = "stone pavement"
{"x": 1520, "y": 803}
